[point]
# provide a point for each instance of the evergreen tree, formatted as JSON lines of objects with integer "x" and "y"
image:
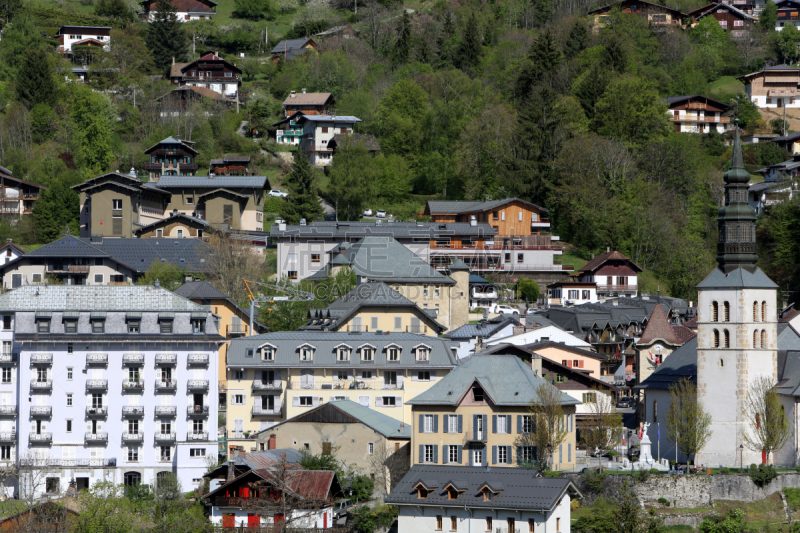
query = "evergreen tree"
{"x": 543, "y": 58}
{"x": 591, "y": 88}
{"x": 35, "y": 81}
{"x": 768, "y": 16}
{"x": 470, "y": 48}
{"x": 8, "y": 8}
{"x": 56, "y": 209}
{"x": 303, "y": 199}
{"x": 116, "y": 9}
{"x": 402, "y": 46}
{"x": 576, "y": 42}
{"x": 166, "y": 37}
{"x": 544, "y": 12}
{"x": 351, "y": 178}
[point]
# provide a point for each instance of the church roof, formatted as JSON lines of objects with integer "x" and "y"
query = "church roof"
{"x": 738, "y": 279}
{"x": 659, "y": 328}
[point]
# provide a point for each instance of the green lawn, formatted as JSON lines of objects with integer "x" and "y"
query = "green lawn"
{"x": 725, "y": 85}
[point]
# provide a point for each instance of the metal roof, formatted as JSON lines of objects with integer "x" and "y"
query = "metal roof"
{"x": 737, "y": 279}
{"x": 216, "y": 181}
{"x": 455, "y": 207}
{"x": 387, "y": 426}
{"x": 398, "y": 230}
{"x": 289, "y": 45}
{"x": 147, "y": 298}
{"x": 520, "y": 488}
{"x": 505, "y": 379}
{"x": 287, "y": 344}
{"x": 305, "y": 98}
{"x": 481, "y": 329}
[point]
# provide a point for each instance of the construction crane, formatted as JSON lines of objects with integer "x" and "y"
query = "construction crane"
{"x": 292, "y": 295}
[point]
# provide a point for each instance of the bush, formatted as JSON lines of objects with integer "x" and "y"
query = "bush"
{"x": 574, "y": 505}
{"x": 732, "y": 523}
{"x": 595, "y": 481}
{"x": 763, "y": 475}
{"x": 551, "y": 473}
{"x": 725, "y": 470}
{"x": 664, "y": 502}
{"x": 641, "y": 476}
{"x": 529, "y": 290}
{"x": 654, "y": 471}
{"x": 792, "y": 498}
{"x": 366, "y": 520}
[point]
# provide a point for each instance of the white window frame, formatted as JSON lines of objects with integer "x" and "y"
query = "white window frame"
{"x": 452, "y": 454}
{"x": 502, "y": 455}
{"x": 427, "y": 453}
{"x": 427, "y": 423}
{"x": 452, "y": 423}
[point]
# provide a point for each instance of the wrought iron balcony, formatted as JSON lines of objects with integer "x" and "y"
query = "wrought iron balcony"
{"x": 197, "y": 410}
{"x": 133, "y": 384}
{"x": 132, "y": 411}
{"x": 96, "y": 384}
{"x": 44, "y": 384}
{"x": 133, "y": 437}
{"x": 170, "y": 411}
{"x": 198, "y": 359}
{"x": 96, "y": 437}
{"x": 7, "y": 436}
{"x": 40, "y": 438}
{"x": 267, "y": 385}
{"x": 166, "y": 384}
{"x": 166, "y": 358}
{"x": 42, "y": 411}
{"x": 41, "y": 359}
{"x": 97, "y": 411}
{"x": 132, "y": 358}
{"x": 165, "y": 437}
{"x": 197, "y": 384}
{"x": 8, "y": 410}
{"x": 8, "y": 357}
{"x": 96, "y": 358}
{"x": 261, "y": 410}
{"x": 197, "y": 435}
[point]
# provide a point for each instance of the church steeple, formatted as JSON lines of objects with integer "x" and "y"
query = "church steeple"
{"x": 736, "y": 247}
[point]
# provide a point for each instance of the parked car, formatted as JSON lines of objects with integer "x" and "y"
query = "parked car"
{"x": 504, "y": 310}
{"x": 381, "y": 213}
{"x": 340, "y": 508}
{"x": 368, "y": 212}
{"x": 278, "y": 194}
{"x": 625, "y": 402}
{"x": 279, "y": 221}
{"x": 531, "y": 311}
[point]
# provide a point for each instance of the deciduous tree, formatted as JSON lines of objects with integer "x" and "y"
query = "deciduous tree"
{"x": 687, "y": 421}
{"x": 549, "y": 424}
{"x": 768, "y": 426}
{"x": 603, "y": 430}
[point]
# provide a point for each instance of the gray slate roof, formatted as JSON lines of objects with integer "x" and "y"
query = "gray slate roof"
{"x": 136, "y": 254}
{"x": 482, "y": 329}
{"x": 680, "y": 364}
{"x": 451, "y": 206}
{"x": 398, "y": 230}
{"x": 287, "y": 345}
{"x": 506, "y": 379}
{"x": 521, "y": 489}
{"x": 289, "y": 45}
{"x": 738, "y": 279}
{"x": 145, "y": 298}
{"x": 387, "y": 426}
{"x": 256, "y": 182}
{"x": 385, "y": 259}
{"x": 200, "y": 289}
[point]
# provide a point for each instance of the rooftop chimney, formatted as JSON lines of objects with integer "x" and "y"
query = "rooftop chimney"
{"x": 293, "y": 94}
{"x": 282, "y": 226}
{"x": 608, "y": 249}
{"x": 231, "y": 474}
{"x": 473, "y": 221}
{"x": 157, "y": 283}
{"x": 302, "y": 222}
{"x": 304, "y": 90}
{"x": 536, "y": 364}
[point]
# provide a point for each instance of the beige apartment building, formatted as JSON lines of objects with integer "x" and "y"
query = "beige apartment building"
{"x": 478, "y": 415}
{"x": 277, "y": 376}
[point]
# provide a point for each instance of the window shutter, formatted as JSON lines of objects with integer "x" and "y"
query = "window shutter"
{"x": 445, "y": 455}
{"x": 519, "y": 423}
{"x": 508, "y": 425}
{"x": 399, "y": 381}
{"x": 436, "y": 423}
{"x": 569, "y": 452}
{"x": 460, "y": 424}
{"x": 475, "y": 427}
{"x": 509, "y": 457}
{"x": 435, "y": 454}
{"x": 296, "y": 401}
{"x": 519, "y": 455}
{"x": 485, "y": 421}
{"x": 414, "y": 376}
{"x": 421, "y": 457}
{"x": 315, "y": 401}
{"x": 433, "y": 376}
{"x": 494, "y": 455}
{"x": 333, "y": 397}
{"x": 421, "y": 423}
{"x": 363, "y": 400}
{"x": 445, "y": 424}
{"x": 560, "y": 453}
{"x": 494, "y": 423}
{"x": 379, "y": 401}
{"x": 398, "y": 401}
{"x": 470, "y": 458}
{"x": 460, "y": 454}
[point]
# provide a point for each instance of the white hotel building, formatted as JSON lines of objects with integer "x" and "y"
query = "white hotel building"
{"x": 106, "y": 383}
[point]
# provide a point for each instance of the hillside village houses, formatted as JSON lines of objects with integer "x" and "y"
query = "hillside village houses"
{"x": 290, "y": 49}
{"x": 208, "y": 71}
{"x": 17, "y": 196}
{"x": 276, "y": 376}
{"x": 93, "y": 36}
{"x": 774, "y": 87}
{"x": 697, "y": 114}
{"x": 297, "y": 105}
{"x": 106, "y": 383}
{"x": 185, "y": 10}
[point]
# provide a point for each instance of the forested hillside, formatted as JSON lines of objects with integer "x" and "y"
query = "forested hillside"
{"x": 467, "y": 99}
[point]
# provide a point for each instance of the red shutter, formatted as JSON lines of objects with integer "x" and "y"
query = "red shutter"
{"x": 228, "y": 520}
{"x": 325, "y": 519}
{"x": 245, "y": 492}
{"x": 253, "y": 520}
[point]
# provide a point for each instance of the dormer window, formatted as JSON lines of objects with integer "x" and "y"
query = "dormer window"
{"x": 422, "y": 493}
{"x": 268, "y": 352}
{"x": 452, "y": 493}
{"x": 367, "y": 352}
{"x": 71, "y": 325}
{"x": 199, "y": 325}
{"x": 423, "y": 352}
{"x": 342, "y": 353}
{"x": 307, "y": 352}
{"x": 98, "y": 325}
{"x": 487, "y": 495}
{"x": 477, "y": 394}
{"x": 42, "y": 325}
{"x": 393, "y": 353}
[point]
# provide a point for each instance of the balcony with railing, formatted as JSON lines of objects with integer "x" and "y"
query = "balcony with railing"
{"x": 8, "y": 410}
{"x": 136, "y": 385}
{"x": 335, "y": 384}
{"x": 197, "y": 410}
{"x": 6, "y": 436}
{"x": 165, "y": 437}
{"x": 133, "y": 437}
{"x": 68, "y": 269}
{"x": 197, "y": 359}
{"x": 96, "y": 384}
{"x": 267, "y": 385}
{"x": 532, "y": 242}
{"x": 41, "y": 359}
{"x": 41, "y": 411}
{"x": 197, "y": 436}
{"x": 40, "y": 438}
{"x": 259, "y": 410}
{"x": 616, "y": 288}
{"x": 41, "y": 384}
{"x": 166, "y": 384}
{"x": 166, "y": 411}
{"x": 197, "y": 384}
{"x": 166, "y": 359}
{"x": 96, "y": 412}
{"x": 236, "y": 329}
{"x": 132, "y": 358}
{"x": 133, "y": 411}
{"x": 8, "y": 357}
{"x": 96, "y": 438}
{"x": 96, "y": 358}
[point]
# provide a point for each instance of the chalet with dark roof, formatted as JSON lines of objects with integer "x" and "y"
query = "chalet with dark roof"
{"x": 230, "y": 165}
{"x": 90, "y": 36}
{"x": 17, "y": 196}
{"x": 290, "y": 49}
{"x": 774, "y": 87}
{"x": 10, "y": 251}
{"x": 730, "y": 18}
{"x": 185, "y": 10}
{"x": 660, "y": 17}
{"x": 210, "y": 71}
{"x": 364, "y": 139}
{"x": 787, "y": 14}
{"x": 697, "y": 114}
{"x": 614, "y": 274}
{"x": 171, "y": 157}
{"x": 178, "y": 99}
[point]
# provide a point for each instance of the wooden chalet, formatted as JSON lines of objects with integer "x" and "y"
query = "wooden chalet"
{"x": 788, "y": 14}
{"x": 290, "y": 49}
{"x": 180, "y": 98}
{"x": 773, "y": 87}
{"x": 171, "y": 157}
{"x": 230, "y": 165}
{"x": 307, "y": 103}
{"x": 185, "y": 10}
{"x": 368, "y": 141}
{"x": 729, "y": 17}
{"x": 614, "y": 274}
{"x": 17, "y": 196}
{"x": 210, "y": 71}
{"x": 697, "y": 114}
{"x": 657, "y": 15}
